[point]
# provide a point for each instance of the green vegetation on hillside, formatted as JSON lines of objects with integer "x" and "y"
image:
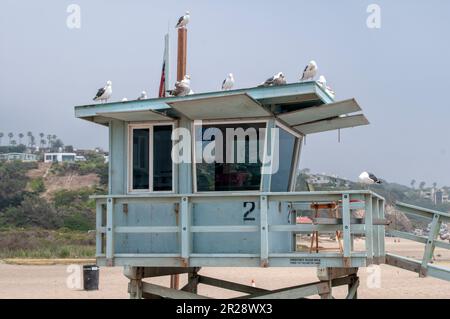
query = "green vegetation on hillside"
{"x": 55, "y": 225}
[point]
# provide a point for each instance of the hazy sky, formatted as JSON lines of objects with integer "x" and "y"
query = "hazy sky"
{"x": 398, "y": 73}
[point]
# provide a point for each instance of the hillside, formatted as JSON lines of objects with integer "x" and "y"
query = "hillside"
{"x": 45, "y": 209}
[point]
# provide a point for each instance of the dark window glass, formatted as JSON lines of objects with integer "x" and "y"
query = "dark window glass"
{"x": 238, "y": 175}
{"x": 281, "y": 179}
{"x": 162, "y": 160}
{"x": 141, "y": 158}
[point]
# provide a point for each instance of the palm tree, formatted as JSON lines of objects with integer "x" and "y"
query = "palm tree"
{"x": 1, "y": 136}
{"x": 10, "y": 135}
{"x": 13, "y": 143}
{"x": 43, "y": 142}
{"x": 29, "y": 134}
{"x": 413, "y": 182}
{"x": 33, "y": 141}
{"x": 20, "y": 138}
{"x": 41, "y": 135}
{"x": 422, "y": 185}
{"x": 49, "y": 139}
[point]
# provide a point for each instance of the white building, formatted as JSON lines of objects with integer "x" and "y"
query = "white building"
{"x": 23, "y": 157}
{"x": 59, "y": 157}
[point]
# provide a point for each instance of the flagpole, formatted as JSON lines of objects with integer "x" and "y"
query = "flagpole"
{"x": 167, "y": 61}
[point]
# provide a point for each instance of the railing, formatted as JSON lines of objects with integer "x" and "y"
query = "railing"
{"x": 423, "y": 267}
{"x": 371, "y": 226}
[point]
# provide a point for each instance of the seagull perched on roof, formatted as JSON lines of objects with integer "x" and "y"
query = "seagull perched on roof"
{"x": 322, "y": 81}
{"x": 182, "y": 88}
{"x": 104, "y": 93}
{"x": 310, "y": 71}
{"x": 228, "y": 83}
{"x": 277, "y": 79}
{"x": 143, "y": 96}
{"x": 368, "y": 178}
{"x": 183, "y": 21}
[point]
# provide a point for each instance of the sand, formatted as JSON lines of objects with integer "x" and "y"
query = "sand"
{"x": 20, "y": 281}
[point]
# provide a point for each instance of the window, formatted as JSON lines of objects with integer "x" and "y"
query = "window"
{"x": 151, "y": 166}
{"x": 236, "y": 162}
{"x": 68, "y": 158}
{"x": 280, "y": 181}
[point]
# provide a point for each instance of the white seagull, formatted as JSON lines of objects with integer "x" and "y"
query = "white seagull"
{"x": 310, "y": 71}
{"x": 228, "y": 83}
{"x": 183, "y": 21}
{"x": 322, "y": 81}
{"x": 368, "y": 178}
{"x": 143, "y": 96}
{"x": 182, "y": 88}
{"x": 103, "y": 94}
{"x": 277, "y": 79}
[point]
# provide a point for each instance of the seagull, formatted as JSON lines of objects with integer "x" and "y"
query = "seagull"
{"x": 368, "y": 178}
{"x": 228, "y": 83}
{"x": 103, "y": 94}
{"x": 310, "y": 71}
{"x": 183, "y": 21}
{"x": 143, "y": 96}
{"x": 277, "y": 79}
{"x": 322, "y": 81}
{"x": 182, "y": 88}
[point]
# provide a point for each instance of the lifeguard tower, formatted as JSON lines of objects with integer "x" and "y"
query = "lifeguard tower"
{"x": 168, "y": 215}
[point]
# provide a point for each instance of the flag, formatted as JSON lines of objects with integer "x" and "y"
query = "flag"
{"x": 162, "y": 83}
{"x": 163, "y": 87}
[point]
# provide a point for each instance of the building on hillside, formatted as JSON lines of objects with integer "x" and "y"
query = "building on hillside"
{"x": 23, "y": 157}
{"x": 319, "y": 179}
{"x": 437, "y": 196}
{"x": 59, "y": 157}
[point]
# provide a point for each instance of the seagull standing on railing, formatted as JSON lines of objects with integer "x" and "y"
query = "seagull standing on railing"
{"x": 182, "y": 88}
{"x": 368, "y": 178}
{"x": 143, "y": 96}
{"x": 104, "y": 93}
{"x": 322, "y": 81}
{"x": 228, "y": 83}
{"x": 310, "y": 71}
{"x": 277, "y": 79}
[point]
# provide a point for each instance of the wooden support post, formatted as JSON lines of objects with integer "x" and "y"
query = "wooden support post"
{"x": 327, "y": 294}
{"x": 353, "y": 288}
{"x": 182, "y": 53}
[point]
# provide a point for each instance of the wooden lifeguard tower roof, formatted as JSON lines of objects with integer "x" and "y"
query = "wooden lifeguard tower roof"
{"x": 305, "y": 107}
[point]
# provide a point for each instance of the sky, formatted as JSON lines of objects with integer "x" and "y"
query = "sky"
{"x": 398, "y": 73}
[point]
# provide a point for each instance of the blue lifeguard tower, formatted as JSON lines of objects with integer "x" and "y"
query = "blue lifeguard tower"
{"x": 170, "y": 211}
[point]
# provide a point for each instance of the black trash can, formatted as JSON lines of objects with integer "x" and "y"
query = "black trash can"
{"x": 90, "y": 277}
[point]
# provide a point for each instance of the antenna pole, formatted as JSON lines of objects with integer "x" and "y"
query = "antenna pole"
{"x": 182, "y": 53}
